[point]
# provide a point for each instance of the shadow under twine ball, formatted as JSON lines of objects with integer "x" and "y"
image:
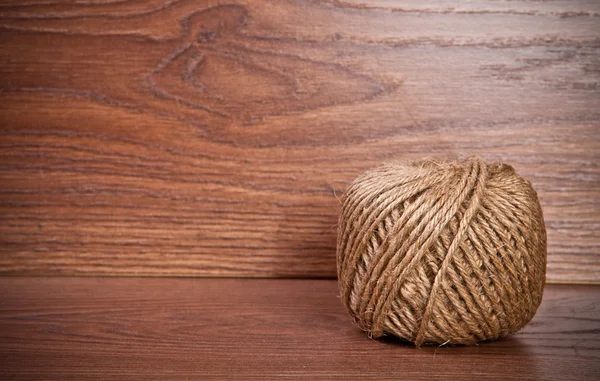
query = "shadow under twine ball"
{"x": 441, "y": 252}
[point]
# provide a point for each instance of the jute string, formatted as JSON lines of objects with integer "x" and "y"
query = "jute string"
{"x": 441, "y": 252}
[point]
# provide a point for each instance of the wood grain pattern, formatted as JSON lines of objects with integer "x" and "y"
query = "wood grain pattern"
{"x": 211, "y": 138}
{"x": 141, "y": 328}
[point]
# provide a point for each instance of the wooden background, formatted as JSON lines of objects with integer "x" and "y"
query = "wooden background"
{"x": 210, "y": 138}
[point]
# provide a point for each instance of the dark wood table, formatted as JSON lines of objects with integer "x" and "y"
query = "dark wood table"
{"x": 165, "y": 328}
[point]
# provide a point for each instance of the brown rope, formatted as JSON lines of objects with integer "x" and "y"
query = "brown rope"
{"x": 441, "y": 252}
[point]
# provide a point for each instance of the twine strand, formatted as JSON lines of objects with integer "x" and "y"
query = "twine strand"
{"x": 441, "y": 252}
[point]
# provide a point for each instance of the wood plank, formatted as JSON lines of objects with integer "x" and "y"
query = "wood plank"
{"x": 211, "y": 138}
{"x": 157, "y": 328}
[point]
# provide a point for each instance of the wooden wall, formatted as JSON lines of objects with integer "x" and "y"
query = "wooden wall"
{"x": 211, "y": 138}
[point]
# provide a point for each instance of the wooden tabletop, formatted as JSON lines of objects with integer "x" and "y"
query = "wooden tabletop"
{"x": 157, "y": 328}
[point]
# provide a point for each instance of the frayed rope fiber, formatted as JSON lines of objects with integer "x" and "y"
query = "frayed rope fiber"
{"x": 441, "y": 252}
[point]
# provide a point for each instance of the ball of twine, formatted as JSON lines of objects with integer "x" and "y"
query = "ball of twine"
{"x": 441, "y": 252}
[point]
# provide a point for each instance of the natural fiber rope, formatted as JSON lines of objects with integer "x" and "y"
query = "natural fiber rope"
{"x": 441, "y": 252}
